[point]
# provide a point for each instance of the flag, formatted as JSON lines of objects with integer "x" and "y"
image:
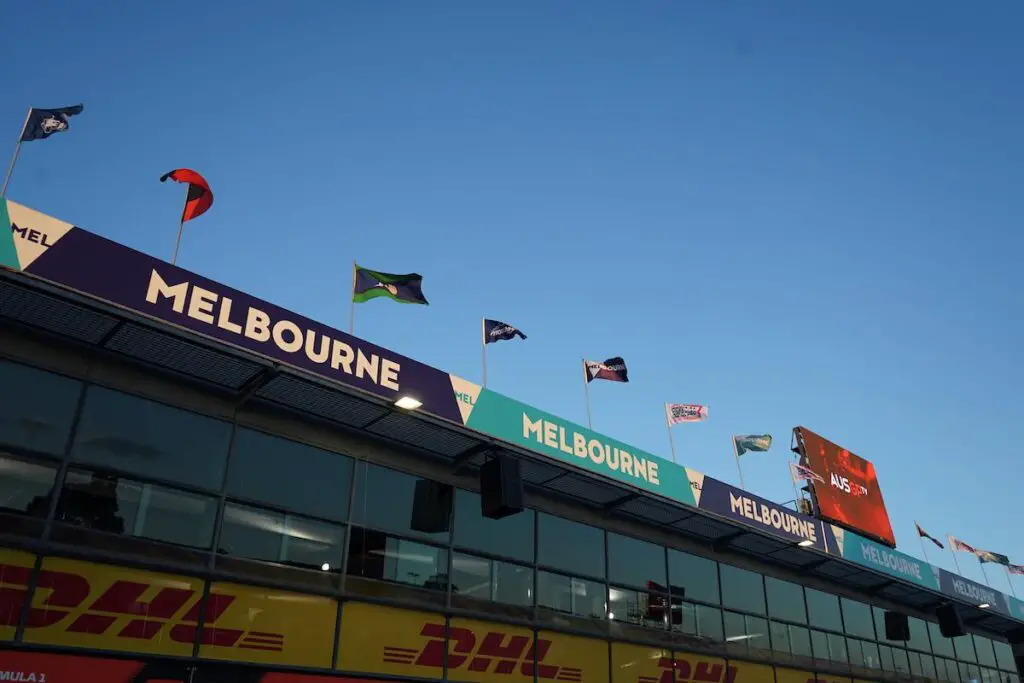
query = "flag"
{"x": 1015, "y": 569}
{"x": 752, "y": 442}
{"x": 405, "y": 289}
{"x": 42, "y": 123}
{"x": 495, "y": 331}
{"x": 613, "y": 369}
{"x": 802, "y": 473}
{"x": 924, "y": 534}
{"x": 995, "y": 558}
{"x": 200, "y": 196}
{"x": 685, "y": 412}
{"x": 958, "y": 545}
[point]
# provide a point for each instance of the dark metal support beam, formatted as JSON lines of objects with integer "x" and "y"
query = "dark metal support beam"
{"x": 258, "y": 381}
{"x": 619, "y": 501}
{"x": 110, "y": 335}
{"x": 814, "y": 565}
{"x": 462, "y": 459}
{"x": 722, "y": 543}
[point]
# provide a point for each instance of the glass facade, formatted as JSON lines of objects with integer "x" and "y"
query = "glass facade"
{"x": 113, "y": 472}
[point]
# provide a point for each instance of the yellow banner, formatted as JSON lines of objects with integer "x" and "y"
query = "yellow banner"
{"x": 638, "y": 664}
{"x": 571, "y": 658}
{"x": 752, "y": 673}
{"x": 783, "y": 675}
{"x": 15, "y": 570}
{"x": 479, "y": 652}
{"x": 251, "y": 624}
{"x": 689, "y": 667}
{"x": 81, "y": 604}
{"x": 391, "y": 641}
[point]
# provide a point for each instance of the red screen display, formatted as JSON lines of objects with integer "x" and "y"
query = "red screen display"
{"x": 848, "y": 492}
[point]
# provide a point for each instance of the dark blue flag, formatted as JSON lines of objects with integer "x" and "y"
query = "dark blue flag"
{"x": 42, "y": 123}
{"x": 495, "y": 331}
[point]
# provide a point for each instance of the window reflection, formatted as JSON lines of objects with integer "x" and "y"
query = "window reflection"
{"x": 632, "y": 562}
{"x": 742, "y": 590}
{"x": 38, "y": 415}
{"x": 375, "y": 555}
{"x": 571, "y": 595}
{"x": 508, "y": 537}
{"x": 785, "y": 600}
{"x": 25, "y": 487}
{"x": 105, "y": 502}
{"x": 744, "y": 633}
{"x": 697, "y": 576}
{"x": 145, "y": 437}
{"x": 650, "y": 608}
{"x": 570, "y": 546}
{"x": 256, "y": 534}
{"x": 701, "y": 621}
{"x": 383, "y": 499}
{"x": 823, "y": 610}
{"x": 857, "y": 619}
{"x": 485, "y": 580}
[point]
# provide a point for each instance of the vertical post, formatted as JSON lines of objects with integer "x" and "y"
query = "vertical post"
{"x": 736, "y": 452}
{"x": 586, "y": 393}
{"x": 1009, "y": 580}
{"x": 949, "y": 539}
{"x": 352, "y": 303}
{"x": 796, "y": 491}
{"x": 923, "y": 548}
{"x": 984, "y": 573}
{"x": 181, "y": 227}
{"x": 483, "y": 347}
{"x": 671, "y": 441}
{"x": 14, "y": 157}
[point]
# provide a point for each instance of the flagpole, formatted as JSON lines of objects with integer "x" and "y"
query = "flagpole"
{"x": 352, "y": 304}
{"x": 586, "y": 394}
{"x": 736, "y": 451}
{"x": 483, "y": 347}
{"x": 984, "y": 573}
{"x": 952, "y": 550}
{"x": 1009, "y": 580}
{"x": 14, "y": 157}
{"x": 923, "y": 549}
{"x": 181, "y": 227}
{"x": 671, "y": 441}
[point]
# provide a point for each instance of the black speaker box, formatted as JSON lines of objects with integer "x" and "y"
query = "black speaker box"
{"x": 501, "y": 488}
{"x": 431, "y": 507}
{"x": 897, "y": 626}
{"x": 951, "y": 625}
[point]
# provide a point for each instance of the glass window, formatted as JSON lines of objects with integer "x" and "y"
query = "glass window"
{"x": 856, "y": 652}
{"x": 1004, "y": 655}
{"x": 742, "y": 590}
{"x": 383, "y": 499}
{"x": 252, "y": 533}
{"x": 632, "y": 562}
{"x": 927, "y": 666}
{"x": 487, "y": 580}
{"x": 258, "y": 460}
{"x": 792, "y": 639}
{"x": 941, "y": 645}
{"x": 570, "y": 546}
{"x": 918, "y": 635}
{"x": 969, "y": 672}
{"x": 570, "y": 595}
{"x": 640, "y": 608}
{"x": 964, "y": 648}
{"x": 990, "y": 676}
{"x": 106, "y": 502}
{"x": 785, "y": 600}
{"x": 700, "y": 620}
{"x": 986, "y": 655}
{"x": 823, "y": 610}
{"x": 510, "y": 536}
{"x": 871, "y": 656}
{"x": 946, "y": 670}
{"x": 857, "y": 619}
{"x": 745, "y": 633}
{"x": 829, "y": 646}
{"x": 144, "y": 437}
{"x": 25, "y": 487}
{"x": 885, "y": 656}
{"x": 698, "y": 576}
{"x": 39, "y": 414}
{"x": 375, "y": 555}
{"x": 899, "y": 659}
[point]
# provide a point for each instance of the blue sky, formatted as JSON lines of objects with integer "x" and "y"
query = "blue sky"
{"x": 798, "y": 213}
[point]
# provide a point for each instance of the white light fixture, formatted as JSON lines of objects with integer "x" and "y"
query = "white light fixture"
{"x": 611, "y": 615}
{"x": 325, "y": 567}
{"x": 408, "y": 403}
{"x": 984, "y": 605}
{"x": 806, "y": 543}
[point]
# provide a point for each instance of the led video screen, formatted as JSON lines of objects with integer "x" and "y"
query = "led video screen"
{"x": 846, "y": 488}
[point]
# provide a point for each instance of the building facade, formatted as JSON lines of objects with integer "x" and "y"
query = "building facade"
{"x": 155, "y": 526}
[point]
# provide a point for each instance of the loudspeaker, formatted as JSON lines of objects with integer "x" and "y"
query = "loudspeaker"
{"x": 951, "y": 625}
{"x": 501, "y": 488}
{"x": 897, "y": 626}
{"x": 431, "y": 507}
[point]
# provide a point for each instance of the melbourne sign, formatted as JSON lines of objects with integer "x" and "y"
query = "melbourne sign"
{"x": 972, "y": 592}
{"x": 884, "y": 559}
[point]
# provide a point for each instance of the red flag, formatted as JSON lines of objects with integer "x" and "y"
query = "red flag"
{"x": 200, "y": 197}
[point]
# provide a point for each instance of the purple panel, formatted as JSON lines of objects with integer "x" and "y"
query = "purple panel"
{"x": 110, "y": 271}
{"x": 973, "y": 592}
{"x": 733, "y": 503}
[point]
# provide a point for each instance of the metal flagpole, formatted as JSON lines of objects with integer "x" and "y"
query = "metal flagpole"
{"x": 14, "y": 157}
{"x": 586, "y": 393}
{"x": 671, "y": 441}
{"x": 923, "y": 549}
{"x": 984, "y": 573}
{"x": 352, "y": 304}
{"x": 181, "y": 227}
{"x": 949, "y": 539}
{"x": 483, "y": 347}
{"x": 1009, "y": 580}
{"x": 736, "y": 451}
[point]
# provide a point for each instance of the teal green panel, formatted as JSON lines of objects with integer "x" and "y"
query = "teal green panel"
{"x": 8, "y": 254}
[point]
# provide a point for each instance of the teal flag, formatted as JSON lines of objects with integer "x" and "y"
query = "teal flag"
{"x": 752, "y": 442}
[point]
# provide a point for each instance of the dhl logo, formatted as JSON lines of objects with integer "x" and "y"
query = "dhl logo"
{"x": 496, "y": 652}
{"x": 680, "y": 670}
{"x": 67, "y": 592}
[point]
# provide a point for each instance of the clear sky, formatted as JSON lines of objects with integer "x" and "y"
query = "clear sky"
{"x": 799, "y": 213}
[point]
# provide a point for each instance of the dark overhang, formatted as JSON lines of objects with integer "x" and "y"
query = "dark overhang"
{"x": 99, "y": 328}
